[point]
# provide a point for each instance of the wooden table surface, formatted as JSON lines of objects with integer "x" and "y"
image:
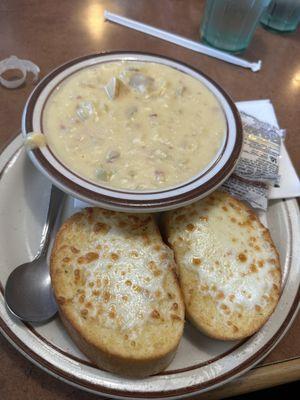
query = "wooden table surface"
{"x": 51, "y": 32}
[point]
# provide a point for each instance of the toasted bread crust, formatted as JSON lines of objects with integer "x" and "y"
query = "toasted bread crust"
{"x": 231, "y": 277}
{"x": 132, "y": 330}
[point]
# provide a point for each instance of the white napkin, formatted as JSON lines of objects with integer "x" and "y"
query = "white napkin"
{"x": 289, "y": 183}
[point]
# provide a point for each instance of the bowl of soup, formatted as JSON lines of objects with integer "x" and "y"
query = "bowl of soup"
{"x": 132, "y": 131}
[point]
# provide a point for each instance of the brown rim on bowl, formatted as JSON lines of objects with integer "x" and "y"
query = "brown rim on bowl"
{"x": 138, "y": 203}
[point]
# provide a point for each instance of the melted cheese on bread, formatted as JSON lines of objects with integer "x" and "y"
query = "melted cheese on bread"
{"x": 114, "y": 281}
{"x": 228, "y": 264}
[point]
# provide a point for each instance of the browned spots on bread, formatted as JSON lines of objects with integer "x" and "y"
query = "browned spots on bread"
{"x": 257, "y": 308}
{"x": 108, "y": 213}
{"x": 133, "y": 218}
{"x": 101, "y": 227}
{"x": 63, "y": 247}
{"x": 203, "y": 218}
{"x": 74, "y": 250}
{"x": 252, "y": 216}
{"x": 197, "y": 261}
{"x": 155, "y": 314}
{"x": 137, "y": 288}
{"x": 122, "y": 224}
{"x": 273, "y": 272}
{"x": 88, "y": 258}
{"x": 220, "y": 295}
{"x": 84, "y": 312}
{"x": 180, "y": 218}
{"x": 157, "y": 247}
{"x": 128, "y": 282}
{"x": 225, "y": 308}
{"x": 96, "y": 292}
{"x": 261, "y": 263}
{"x": 231, "y": 297}
{"x": 171, "y": 296}
{"x": 242, "y": 257}
{"x": 114, "y": 256}
{"x": 61, "y": 300}
{"x": 153, "y": 268}
{"x": 105, "y": 281}
{"x": 90, "y": 212}
{"x": 134, "y": 254}
{"x": 106, "y": 296}
{"x": 76, "y": 275}
{"x": 88, "y": 305}
{"x": 125, "y": 297}
{"x": 213, "y": 287}
{"x": 253, "y": 268}
{"x": 81, "y": 298}
{"x": 174, "y": 307}
{"x": 235, "y": 328}
{"x": 224, "y": 208}
{"x": 175, "y": 317}
{"x": 190, "y": 227}
{"x": 66, "y": 260}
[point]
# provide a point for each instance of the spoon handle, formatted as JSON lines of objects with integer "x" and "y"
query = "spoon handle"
{"x": 55, "y": 204}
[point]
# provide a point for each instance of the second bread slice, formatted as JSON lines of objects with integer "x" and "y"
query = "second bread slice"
{"x": 228, "y": 266}
{"x": 118, "y": 296}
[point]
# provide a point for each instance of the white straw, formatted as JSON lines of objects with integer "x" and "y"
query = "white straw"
{"x": 181, "y": 41}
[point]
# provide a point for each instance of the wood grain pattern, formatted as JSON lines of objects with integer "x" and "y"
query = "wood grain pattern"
{"x": 51, "y": 32}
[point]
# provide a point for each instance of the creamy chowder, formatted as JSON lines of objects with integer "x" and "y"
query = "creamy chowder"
{"x": 133, "y": 125}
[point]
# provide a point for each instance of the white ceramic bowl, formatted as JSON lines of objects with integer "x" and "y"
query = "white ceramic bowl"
{"x": 125, "y": 200}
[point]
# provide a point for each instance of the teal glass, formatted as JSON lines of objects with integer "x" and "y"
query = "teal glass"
{"x": 229, "y": 24}
{"x": 282, "y": 15}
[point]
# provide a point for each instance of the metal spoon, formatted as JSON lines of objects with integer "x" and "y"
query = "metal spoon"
{"x": 28, "y": 291}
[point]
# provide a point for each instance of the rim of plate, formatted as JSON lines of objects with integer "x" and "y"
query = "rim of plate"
{"x": 126, "y": 200}
{"x": 250, "y": 352}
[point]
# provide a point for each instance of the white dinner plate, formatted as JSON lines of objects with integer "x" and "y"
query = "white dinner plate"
{"x": 200, "y": 364}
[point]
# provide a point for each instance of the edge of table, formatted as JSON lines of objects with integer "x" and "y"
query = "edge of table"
{"x": 261, "y": 377}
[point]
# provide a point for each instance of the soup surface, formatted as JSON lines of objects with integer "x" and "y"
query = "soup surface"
{"x": 134, "y": 125}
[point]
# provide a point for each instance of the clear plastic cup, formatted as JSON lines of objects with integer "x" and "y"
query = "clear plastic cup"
{"x": 230, "y": 24}
{"x": 282, "y": 15}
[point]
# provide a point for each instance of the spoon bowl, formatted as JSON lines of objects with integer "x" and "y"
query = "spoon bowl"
{"x": 28, "y": 292}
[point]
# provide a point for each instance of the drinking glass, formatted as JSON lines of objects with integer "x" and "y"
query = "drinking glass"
{"x": 282, "y": 15}
{"x": 230, "y": 24}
